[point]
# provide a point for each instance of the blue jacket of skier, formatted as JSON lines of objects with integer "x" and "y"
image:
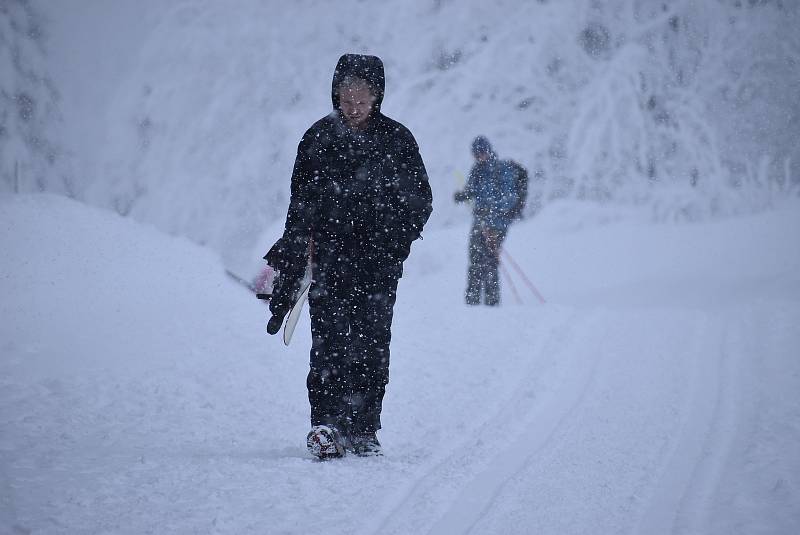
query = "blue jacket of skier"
{"x": 491, "y": 187}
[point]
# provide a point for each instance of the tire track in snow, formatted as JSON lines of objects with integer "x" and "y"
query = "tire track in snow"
{"x": 539, "y": 423}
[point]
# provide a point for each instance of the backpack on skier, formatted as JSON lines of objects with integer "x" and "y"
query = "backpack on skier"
{"x": 521, "y": 187}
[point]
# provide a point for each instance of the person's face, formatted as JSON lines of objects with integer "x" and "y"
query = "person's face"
{"x": 356, "y": 101}
{"x": 482, "y": 156}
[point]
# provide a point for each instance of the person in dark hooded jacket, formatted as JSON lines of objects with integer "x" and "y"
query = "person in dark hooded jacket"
{"x": 359, "y": 197}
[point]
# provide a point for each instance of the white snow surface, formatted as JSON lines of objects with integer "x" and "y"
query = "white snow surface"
{"x": 655, "y": 392}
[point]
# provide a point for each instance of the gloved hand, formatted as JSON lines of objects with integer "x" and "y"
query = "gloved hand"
{"x": 279, "y": 256}
{"x": 460, "y": 196}
{"x": 274, "y": 324}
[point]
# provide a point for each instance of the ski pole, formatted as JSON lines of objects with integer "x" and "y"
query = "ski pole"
{"x": 511, "y": 284}
{"x": 524, "y": 277}
{"x": 495, "y": 248}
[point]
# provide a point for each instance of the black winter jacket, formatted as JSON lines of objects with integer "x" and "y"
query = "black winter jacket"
{"x": 363, "y": 196}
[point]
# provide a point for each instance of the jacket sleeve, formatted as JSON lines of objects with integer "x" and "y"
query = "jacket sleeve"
{"x": 415, "y": 196}
{"x": 300, "y": 216}
{"x": 468, "y": 192}
{"x": 469, "y": 189}
{"x": 291, "y": 249}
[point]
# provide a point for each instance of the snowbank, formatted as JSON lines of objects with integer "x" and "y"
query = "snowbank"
{"x": 87, "y": 288}
{"x": 118, "y": 341}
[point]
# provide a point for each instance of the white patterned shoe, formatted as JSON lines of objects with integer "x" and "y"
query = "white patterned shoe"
{"x": 325, "y": 442}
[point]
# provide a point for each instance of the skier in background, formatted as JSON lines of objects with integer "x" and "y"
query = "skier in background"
{"x": 360, "y": 195}
{"x": 496, "y": 202}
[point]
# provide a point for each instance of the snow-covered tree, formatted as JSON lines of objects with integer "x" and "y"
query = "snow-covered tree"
{"x": 29, "y": 155}
{"x": 682, "y": 100}
{"x": 687, "y": 106}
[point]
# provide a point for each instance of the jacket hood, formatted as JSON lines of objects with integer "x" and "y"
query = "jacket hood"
{"x": 481, "y": 145}
{"x": 368, "y": 68}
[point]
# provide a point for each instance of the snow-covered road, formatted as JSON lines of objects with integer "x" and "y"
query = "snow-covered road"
{"x": 655, "y": 392}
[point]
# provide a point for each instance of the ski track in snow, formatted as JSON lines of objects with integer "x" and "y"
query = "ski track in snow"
{"x": 704, "y": 424}
{"x": 689, "y": 477}
{"x": 579, "y": 423}
{"x": 480, "y": 443}
{"x": 546, "y": 418}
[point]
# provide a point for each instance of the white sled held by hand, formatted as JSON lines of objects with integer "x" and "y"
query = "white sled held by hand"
{"x": 294, "y": 314}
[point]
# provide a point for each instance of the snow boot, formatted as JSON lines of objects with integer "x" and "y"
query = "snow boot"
{"x": 325, "y": 442}
{"x": 366, "y": 445}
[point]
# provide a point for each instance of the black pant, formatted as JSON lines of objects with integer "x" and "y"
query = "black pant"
{"x": 484, "y": 259}
{"x": 351, "y": 320}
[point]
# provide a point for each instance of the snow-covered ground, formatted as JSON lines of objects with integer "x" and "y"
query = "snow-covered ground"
{"x": 655, "y": 392}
